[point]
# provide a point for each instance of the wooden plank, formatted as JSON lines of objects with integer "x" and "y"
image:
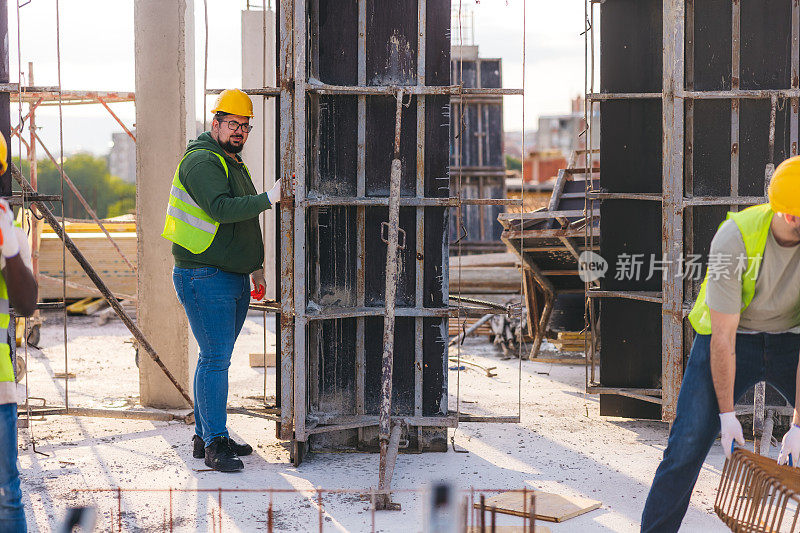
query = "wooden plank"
{"x": 539, "y": 215}
{"x": 257, "y": 359}
{"x": 99, "y": 251}
{"x": 550, "y": 507}
{"x": 559, "y": 360}
{"x": 491, "y": 280}
{"x": 483, "y": 260}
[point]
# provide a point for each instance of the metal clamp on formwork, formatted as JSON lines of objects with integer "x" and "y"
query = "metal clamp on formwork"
{"x": 400, "y": 231}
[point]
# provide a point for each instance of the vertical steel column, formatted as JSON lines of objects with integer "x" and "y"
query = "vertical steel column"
{"x": 32, "y": 163}
{"x": 689, "y": 292}
{"x": 361, "y": 191}
{"x": 736, "y": 32}
{"x": 482, "y": 145}
{"x": 420, "y": 252}
{"x": 793, "y": 126}
{"x": 672, "y": 214}
{"x": 300, "y": 79}
{"x": 285, "y": 80}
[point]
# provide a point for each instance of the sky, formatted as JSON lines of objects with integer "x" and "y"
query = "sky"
{"x": 97, "y": 52}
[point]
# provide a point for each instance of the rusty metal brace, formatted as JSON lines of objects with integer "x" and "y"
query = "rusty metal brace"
{"x": 390, "y": 436}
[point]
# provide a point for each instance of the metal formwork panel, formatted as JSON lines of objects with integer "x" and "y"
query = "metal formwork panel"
{"x": 727, "y": 96}
{"x": 476, "y": 155}
{"x": 340, "y": 67}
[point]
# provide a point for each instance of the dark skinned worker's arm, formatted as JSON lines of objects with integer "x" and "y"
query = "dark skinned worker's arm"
{"x": 723, "y": 373}
{"x": 16, "y": 258}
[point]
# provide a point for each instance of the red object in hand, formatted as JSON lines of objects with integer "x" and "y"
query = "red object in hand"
{"x": 258, "y": 293}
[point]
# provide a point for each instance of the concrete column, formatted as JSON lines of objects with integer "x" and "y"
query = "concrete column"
{"x": 165, "y": 120}
{"x": 258, "y": 70}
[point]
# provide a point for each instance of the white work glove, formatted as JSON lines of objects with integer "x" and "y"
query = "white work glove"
{"x": 730, "y": 430}
{"x": 9, "y": 243}
{"x": 790, "y": 447}
{"x": 274, "y": 194}
{"x": 259, "y": 284}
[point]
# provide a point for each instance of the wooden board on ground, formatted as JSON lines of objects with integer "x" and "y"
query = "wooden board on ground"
{"x": 507, "y": 529}
{"x": 559, "y": 360}
{"x": 257, "y": 359}
{"x": 550, "y": 507}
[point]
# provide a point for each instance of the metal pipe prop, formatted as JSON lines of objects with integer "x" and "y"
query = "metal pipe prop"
{"x": 392, "y": 278}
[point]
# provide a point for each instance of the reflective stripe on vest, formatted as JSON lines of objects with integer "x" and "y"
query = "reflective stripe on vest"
{"x": 191, "y": 220}
{"x": 186, "y": 223}
{"x": 6, "y": 369}
{"x": 754, "y": 225}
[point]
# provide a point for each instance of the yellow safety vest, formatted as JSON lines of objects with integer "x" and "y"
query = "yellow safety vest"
{"x": 754, "y": 225}
{"x": 187, "y": 224}
{"x": 6, "y": 368}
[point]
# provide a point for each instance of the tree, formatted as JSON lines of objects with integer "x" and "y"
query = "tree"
{"x": 512, "y": 163}
{"x": 108, "y": 195}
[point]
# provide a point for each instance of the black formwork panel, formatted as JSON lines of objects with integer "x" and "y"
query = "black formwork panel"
{"x": 726, "y": 150}
{"x": 476, "y": 155}
{"x": 345, "y": 256}
{"x": 631, "y": 162}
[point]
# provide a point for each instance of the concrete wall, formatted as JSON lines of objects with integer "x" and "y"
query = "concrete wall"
{"x": 258, "y": 70}
{"x": 165, "y": 119}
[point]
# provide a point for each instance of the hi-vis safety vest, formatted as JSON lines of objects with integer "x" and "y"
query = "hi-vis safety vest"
{"x": 754, "y": 225}
{"x": 187, "y": 224}
{"x": 6, "y": 368}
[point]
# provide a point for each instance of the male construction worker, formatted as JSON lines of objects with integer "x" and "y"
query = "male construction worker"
{"x": 747, "y": 319}
{"x": 212, "y": 220}
{"x": 18, "y": 290}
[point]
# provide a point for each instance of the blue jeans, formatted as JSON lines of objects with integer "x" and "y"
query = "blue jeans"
{"x": 216, "y": 304}
{"x": 12, "y": 514}
{"x": 759, "y": 357}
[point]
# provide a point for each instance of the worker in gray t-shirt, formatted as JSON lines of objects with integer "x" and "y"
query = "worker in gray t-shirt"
{"x": 747, "y": 319}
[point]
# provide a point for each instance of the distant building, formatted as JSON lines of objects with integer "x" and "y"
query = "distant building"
{"x": 122, "y": 157}
{"x": 564, "y": 132}
{"x": 542, "y": 166}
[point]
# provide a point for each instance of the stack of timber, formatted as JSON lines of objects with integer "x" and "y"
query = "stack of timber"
{"x": 458, "y": 326}
{"x": 485, "y": 274}
{"x": 549, "y": 241}
{"x": 100, "y": 252}
{"x": 572, "y": 341}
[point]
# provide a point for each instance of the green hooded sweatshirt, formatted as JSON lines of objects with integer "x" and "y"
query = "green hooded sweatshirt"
{"x": 232, "y": 201}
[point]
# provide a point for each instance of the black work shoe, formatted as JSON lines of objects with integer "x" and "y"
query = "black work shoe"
{"x": 240, "y": 449}
{"x": 221, "y": 457}
{"x": 199, "y": 451}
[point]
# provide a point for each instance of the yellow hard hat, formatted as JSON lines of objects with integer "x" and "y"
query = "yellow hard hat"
{"x": 235, "y": 102}
{"x": 784, "y": 188}
{"x": 3, "y": 155}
